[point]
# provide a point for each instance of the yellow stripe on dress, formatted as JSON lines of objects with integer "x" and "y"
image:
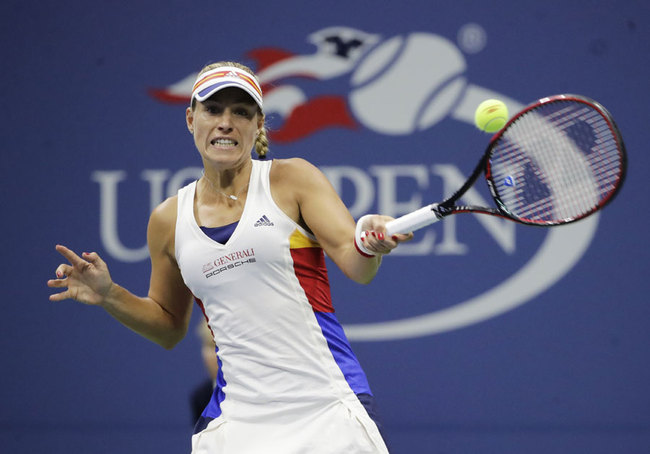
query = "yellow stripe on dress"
{"x": 299, "y": 240}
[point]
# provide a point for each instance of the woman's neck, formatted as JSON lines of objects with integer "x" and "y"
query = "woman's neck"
{"x": 229, "y": 183}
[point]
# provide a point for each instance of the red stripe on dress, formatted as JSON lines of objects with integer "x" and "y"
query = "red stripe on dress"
{"x": 311, "y": 271}
{"x": 200, "y": 304}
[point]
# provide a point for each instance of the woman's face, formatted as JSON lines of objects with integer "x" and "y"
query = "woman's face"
{"x": 225, "y": 127}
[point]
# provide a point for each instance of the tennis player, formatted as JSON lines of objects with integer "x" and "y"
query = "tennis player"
{"x": 247, "y": 242}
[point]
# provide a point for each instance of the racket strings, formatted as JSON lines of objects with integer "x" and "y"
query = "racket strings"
{"x": 556, "y": 162}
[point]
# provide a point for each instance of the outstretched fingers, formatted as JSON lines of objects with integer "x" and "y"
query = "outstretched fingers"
{"x": 70, "y": 256}
{"x": 67, "y": 294}
{"x": 91, "y": 257}
{"x": 63, "y": 272}
{"x": 85, "y": 278}
{"x": 60, "y": 282}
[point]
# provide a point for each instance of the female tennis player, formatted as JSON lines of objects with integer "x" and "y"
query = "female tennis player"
{"x": 247, "y": 242}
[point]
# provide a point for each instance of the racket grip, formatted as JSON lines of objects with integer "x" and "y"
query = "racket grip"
{"x": 413, "y": 221}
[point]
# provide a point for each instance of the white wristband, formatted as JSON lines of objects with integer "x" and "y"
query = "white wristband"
{"x": 359, "y": 233}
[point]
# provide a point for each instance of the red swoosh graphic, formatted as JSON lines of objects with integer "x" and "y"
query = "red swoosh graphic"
{"x": 314, "y": 115}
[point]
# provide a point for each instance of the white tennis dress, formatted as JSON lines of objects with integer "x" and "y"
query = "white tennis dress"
{"x": 287, "y": 379}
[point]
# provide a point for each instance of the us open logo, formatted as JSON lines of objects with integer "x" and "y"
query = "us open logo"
{"x": 393, "y": 87}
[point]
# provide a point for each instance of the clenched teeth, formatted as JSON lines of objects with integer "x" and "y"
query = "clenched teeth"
{"x": 227, "y": 142}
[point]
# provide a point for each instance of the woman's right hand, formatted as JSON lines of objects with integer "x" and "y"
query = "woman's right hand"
{"x": 86, "y": 278}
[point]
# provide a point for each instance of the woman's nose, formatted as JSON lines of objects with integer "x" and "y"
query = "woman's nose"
{"x": 225, "y": 120}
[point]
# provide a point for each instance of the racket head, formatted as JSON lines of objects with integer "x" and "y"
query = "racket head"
{"x": 557, "y": 161}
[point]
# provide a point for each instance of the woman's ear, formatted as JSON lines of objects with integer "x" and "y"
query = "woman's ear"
{"x": 189, "y": 119}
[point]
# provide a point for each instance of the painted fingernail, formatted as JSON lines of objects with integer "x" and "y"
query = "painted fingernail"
{"x": 380, "y": 236}
{"x": 374, "y": 234}
{"x": 394, "y": 237}
{"x": 59, "y": 274}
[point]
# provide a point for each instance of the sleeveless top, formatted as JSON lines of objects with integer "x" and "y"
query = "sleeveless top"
{"x": 265, "y": 293}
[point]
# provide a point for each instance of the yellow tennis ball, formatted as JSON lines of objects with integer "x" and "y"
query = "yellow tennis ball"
{"x": 491, "y": 115}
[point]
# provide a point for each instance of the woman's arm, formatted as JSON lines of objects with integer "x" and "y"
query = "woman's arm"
{"x": 306, "y": 195}
{"x": 162, "y": 316}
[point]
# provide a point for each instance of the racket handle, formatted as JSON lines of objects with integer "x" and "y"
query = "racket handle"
{"x": 414, "y": 220}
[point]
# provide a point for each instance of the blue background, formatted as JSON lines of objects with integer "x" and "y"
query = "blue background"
{"x": 566, "y": 372}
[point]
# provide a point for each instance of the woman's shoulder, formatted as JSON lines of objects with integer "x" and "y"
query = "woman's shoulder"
{"x": 162, "y": 227}
{"x": 165, "y": 213}
{"x": 288, "y": 163}
{"x": 293, "y": 170}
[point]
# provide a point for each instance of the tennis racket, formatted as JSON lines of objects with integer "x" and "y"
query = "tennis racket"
{"x": 557, "y": 161}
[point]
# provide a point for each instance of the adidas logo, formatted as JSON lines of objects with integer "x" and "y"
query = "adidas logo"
{"x": 263, "y": 222}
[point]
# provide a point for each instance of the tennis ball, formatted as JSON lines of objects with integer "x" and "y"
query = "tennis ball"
{"x": 491, "y": 115}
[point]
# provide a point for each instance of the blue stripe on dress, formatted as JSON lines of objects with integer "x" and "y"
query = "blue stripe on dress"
{"x": 213, "y": 409}
{"x": 342, "y": 352}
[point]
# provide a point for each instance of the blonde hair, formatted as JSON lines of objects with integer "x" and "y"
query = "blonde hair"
{"x": 262, "y": 140}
